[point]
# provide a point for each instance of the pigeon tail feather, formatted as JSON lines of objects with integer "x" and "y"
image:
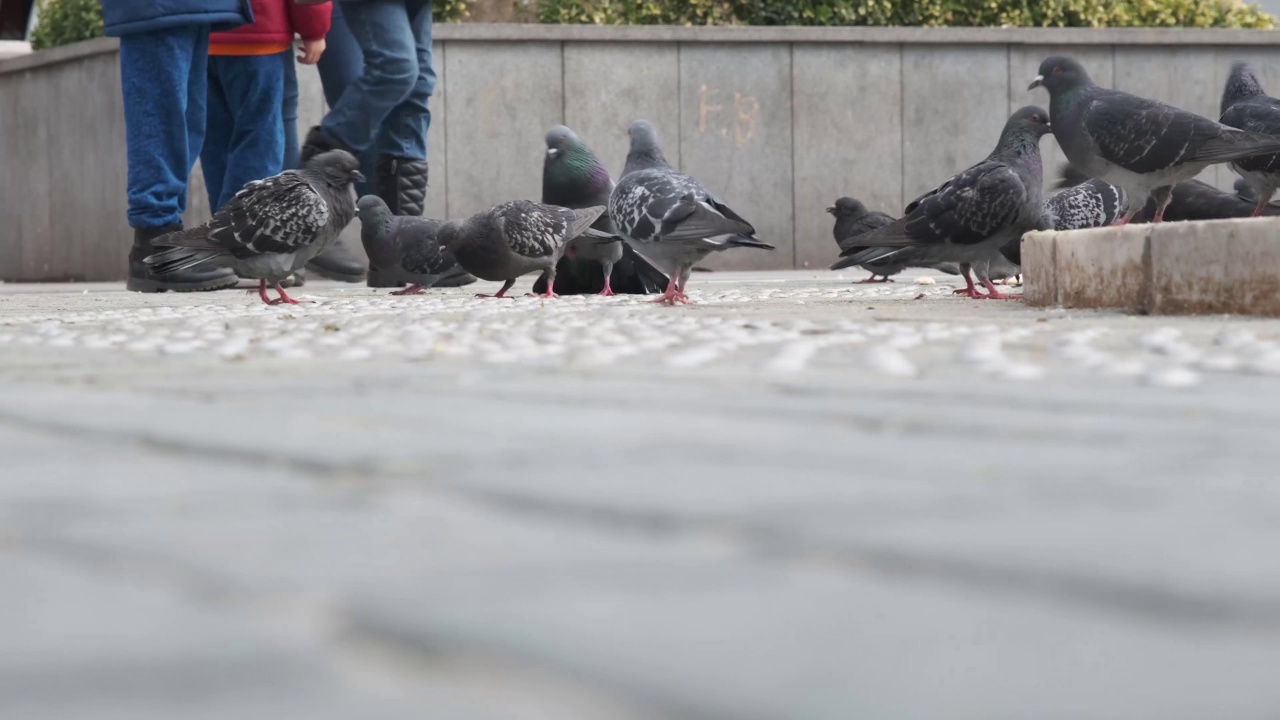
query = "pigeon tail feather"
{"x": 1236, "y": 145}
{"x": 689, "y": 219}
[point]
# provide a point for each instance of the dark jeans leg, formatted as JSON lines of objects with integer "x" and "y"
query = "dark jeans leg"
{"x": 386, "y": 37}
{"x": 217, "y": 141}
{"x": 404, "y": 133}
{"x": 289, "y": 112}
{"x": 342, "y": 61}
{"x": 254, "y": 85}
{"x": 163, "y": 83}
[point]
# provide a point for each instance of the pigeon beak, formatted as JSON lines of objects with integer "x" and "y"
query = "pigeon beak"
{"x": 1036, "y": 83}
{"x": 831, "y": 210}
{"x": 551, "y": 152}
{"x": 357, "y": 176}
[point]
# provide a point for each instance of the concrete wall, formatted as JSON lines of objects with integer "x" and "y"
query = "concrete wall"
{"x": 779, "y": 121}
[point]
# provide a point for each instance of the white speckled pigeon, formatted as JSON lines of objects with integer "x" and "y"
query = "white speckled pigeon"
{"x": 1142, "y": 146}
{"x": 670, "y": 218}
{"x": 272, "y": 227}
{"x": 973, "y": 215}
{"x": 1093, "y": 203}
{"x": 405, "y": 245}
{"x": 1246, "y": 106}
{"x": 515, "y": 238}
{"x": 573, "y": 177}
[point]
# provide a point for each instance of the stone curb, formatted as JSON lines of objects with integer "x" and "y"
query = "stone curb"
{"x": 1183, "y": 268}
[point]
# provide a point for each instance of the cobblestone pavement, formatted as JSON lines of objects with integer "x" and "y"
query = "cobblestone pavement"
{"x": 799, "y": 498}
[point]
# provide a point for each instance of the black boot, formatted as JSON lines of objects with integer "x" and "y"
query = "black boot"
{"x": 402, "y": 185}
{"x": 338, "y": 263}
{"x": 317, "y": 142}
{"x": 196, "y": 279}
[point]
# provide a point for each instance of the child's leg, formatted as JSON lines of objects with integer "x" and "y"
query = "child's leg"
{"x": 254, "y": 86}
{"x": 289, "y": 112}
{"x": 162, "y": 76}
{"x": 217, "y": 140}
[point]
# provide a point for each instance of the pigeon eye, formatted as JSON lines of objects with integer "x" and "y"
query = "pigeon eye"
{"x": 1057, "y": 70}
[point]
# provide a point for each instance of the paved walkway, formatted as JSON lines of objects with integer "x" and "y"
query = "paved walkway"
{"x": 800, "y": 498}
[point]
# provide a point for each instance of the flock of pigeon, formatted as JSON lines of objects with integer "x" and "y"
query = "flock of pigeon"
{"x": 1131, "y": 159}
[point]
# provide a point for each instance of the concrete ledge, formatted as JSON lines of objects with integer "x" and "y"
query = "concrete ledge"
{"x": 58, "y": 55}
{"x": 534, "y": 32}
{"x": 1194, "y": 268}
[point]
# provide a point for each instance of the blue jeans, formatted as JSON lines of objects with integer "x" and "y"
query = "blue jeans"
{"x": 245, "y": 140}
{"x": 289, "y": 113}
{"x": 385, "y": 109}
{"x": 163, "y": 82}
{"x": 340, "y": 66}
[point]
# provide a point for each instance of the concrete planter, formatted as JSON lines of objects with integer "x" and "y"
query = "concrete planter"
{"x": 779, "y": 121}
{"x": 1193, "y": 268}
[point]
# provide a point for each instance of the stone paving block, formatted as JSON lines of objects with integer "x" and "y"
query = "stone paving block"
{"x": 963, "y": 80}
{"x": 1039, "y": 269}
{"x": 735, "y": 137}
{"x": 1023, "y": 62}
{"x": 502, "y": 98}
{"x": 639, "y": 78}
{"x": 1103, "y": 267}
{"x": 848, "y": 138}
{"x": 1225, "y": 266}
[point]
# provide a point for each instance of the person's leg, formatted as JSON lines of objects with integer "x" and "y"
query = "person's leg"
{"x": 217, "y": 140}
{"x": 382, "y": 28}
{"x": 254, "y": 85}
{"x": 400, "y": 175}
{"x": 342, "y": 61}
{"x": 289, "y": 111}
{"x": 163, "y": 84}
{"x": 156, "y": 75}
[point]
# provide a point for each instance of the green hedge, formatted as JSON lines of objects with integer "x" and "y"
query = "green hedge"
{"x": 62, "y": 22}
{"x": 1028, "y": 13}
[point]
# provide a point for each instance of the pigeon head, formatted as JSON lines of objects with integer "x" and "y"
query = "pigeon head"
{"x": 338, "y": 168}
{"x": 1244, "y": 192}
{"x": 450, "y": 235}
{"x": 646, "y": 148}
{"x": 1030, "y": 120}
{"x": 562, "y": 141}
{"x": 848, "y": 207}
{"x": 1060, "y": 74}
{"x": 1241, "y": 83}
{"x": 571, "y": 164}
{"x": 373, "y": 212}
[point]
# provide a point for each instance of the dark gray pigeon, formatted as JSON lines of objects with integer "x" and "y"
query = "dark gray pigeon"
{"x": 1246, "y": 106}
{"x": 970, "y": 217}
{"x": 405, "y": 245}
{"x": 272, "y": 227}
{"x": 1142, "y": 146}
{"x": 854, "y": 219}
{"x": 514, "y": 239}
{"x": 573, "y": 177}
{"x": 669, "y": 218}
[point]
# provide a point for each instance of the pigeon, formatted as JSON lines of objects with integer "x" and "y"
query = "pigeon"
{"x": 406, "y": 245}
{"x": 1247, "y": 107}
{"x": 970, "y": 217}
{"x": 1090, "y": 204}
{"x": 1142, "y": 146}
{"x": 853, "y": 219}
{"x": 516, "y": 238}
{"x": 272, "y": 227}
{"x": 573, "y": 177}
{"x": 669, "y": 218}
{"x": 1190, "y": 200}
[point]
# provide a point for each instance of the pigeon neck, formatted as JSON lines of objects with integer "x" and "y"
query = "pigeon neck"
{"x": 1065, "y": 99}
{"x": 643, "y": 159}
{"x": 1020, "y": 146}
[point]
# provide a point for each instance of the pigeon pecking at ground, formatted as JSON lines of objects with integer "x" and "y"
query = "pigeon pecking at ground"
{"x": 669, "y": 218}
{"x": 854, "y": 219}
{"x": 1247, "y": 107}
{"x": 969, "y": 218}
{"x": 1142, "y": 146}
{"x": 272, "y": 227}
{"x": 573, "y": 177}
{"x": 407, "y": 246}
{"x": 514, "y": 239}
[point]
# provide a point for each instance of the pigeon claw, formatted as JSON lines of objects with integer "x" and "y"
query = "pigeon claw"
{"x": 414, "y": 289}
{"x": 873, "y": 279}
